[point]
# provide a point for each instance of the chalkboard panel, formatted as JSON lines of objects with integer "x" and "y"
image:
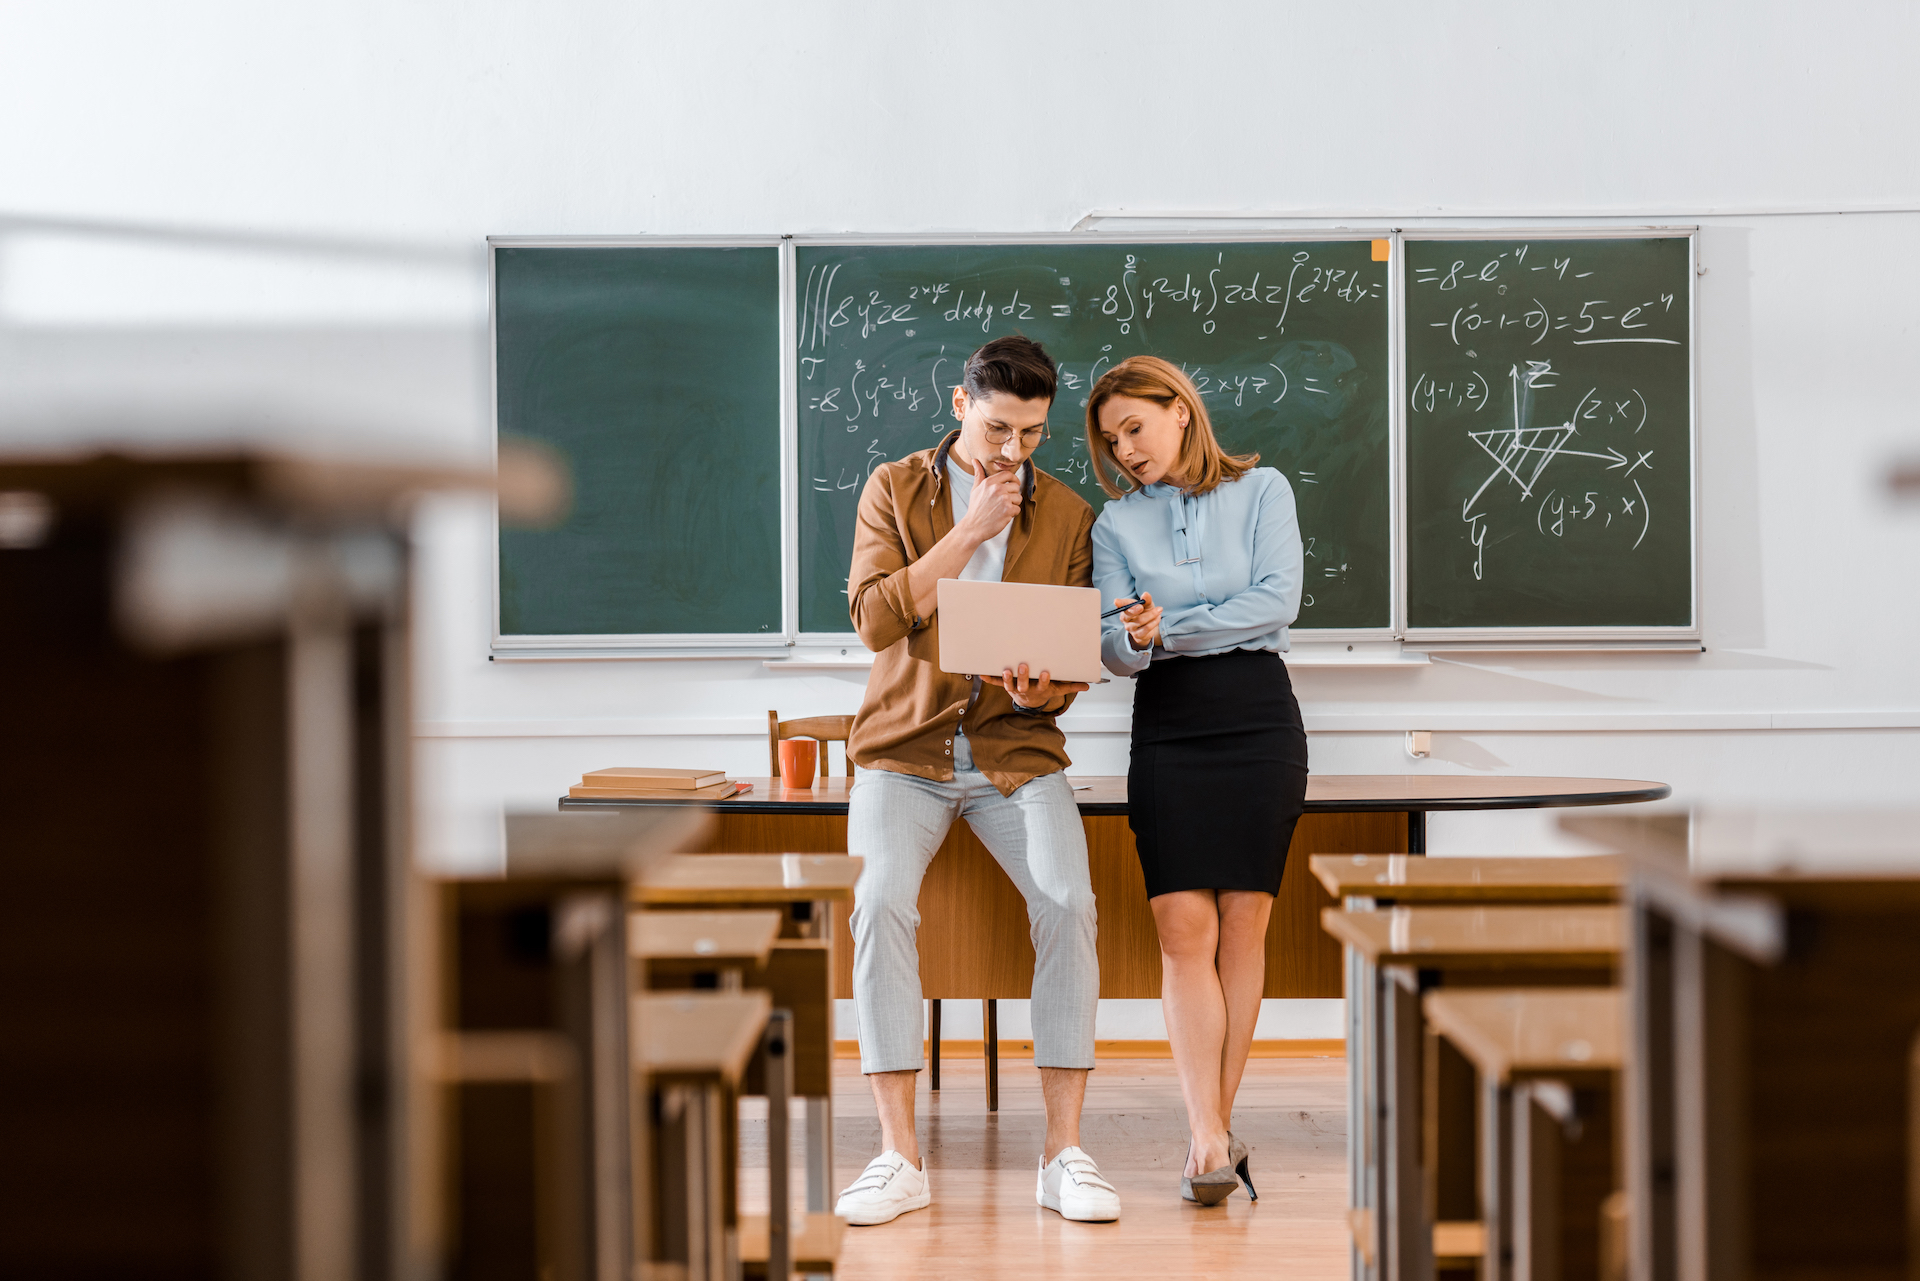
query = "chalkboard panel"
{"x": 1549, "y": 434}
{"x": 1288, "y": 342}
{"x": 655, "y": 372}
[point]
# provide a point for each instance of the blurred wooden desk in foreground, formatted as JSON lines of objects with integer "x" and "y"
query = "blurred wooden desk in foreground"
{"x": 973, "y": 933}
{"x": 1773, "y": 1011}
{"x": 806, "y": 890}
{"x": 1396, "y": 954}
{"x": 1372, "y": 881}
{"x": 690, "y": 1055}
{"x": 1546, "y": 1063}
{"x": 1402, "y": 879}
{"x": 701, "y": 949}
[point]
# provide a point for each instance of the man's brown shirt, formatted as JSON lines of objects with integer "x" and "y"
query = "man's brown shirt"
{"x": 907, "y": 720}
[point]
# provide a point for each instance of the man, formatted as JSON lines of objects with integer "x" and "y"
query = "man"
{"x": 932, "y": 747}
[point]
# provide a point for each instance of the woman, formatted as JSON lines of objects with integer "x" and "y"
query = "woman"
{"x": 1206, "y": 546}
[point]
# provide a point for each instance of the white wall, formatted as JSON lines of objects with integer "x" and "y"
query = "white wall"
{"x": 226, "y": 220}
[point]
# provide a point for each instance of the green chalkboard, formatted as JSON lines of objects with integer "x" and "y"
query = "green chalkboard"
{"x": 1288, "y": 342}
{"x": 1549, "y": 434}
{"x": 655, "y": 374}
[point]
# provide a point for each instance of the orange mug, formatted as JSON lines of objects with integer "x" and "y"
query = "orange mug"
{"x": 796, "y": 761}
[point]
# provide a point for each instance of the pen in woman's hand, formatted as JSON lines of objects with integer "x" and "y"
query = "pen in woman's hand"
{"x": 1121, "y": 608}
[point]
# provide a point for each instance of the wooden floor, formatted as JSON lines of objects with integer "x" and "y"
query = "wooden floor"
{"x": 984, "y": 1223}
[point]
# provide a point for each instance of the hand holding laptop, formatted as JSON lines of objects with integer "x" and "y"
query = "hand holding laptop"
{"x": 1037, "y": 692}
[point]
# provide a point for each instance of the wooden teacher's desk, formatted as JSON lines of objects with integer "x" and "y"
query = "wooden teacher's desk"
{"x": 973, "y": 931}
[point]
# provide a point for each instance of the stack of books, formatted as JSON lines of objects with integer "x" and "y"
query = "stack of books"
{"x": 644, "y": 783}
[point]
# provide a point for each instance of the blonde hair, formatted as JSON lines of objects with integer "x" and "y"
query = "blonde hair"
{"x": 1205, "y": 465}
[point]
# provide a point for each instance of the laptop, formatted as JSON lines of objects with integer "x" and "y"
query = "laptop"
{"x": 986, "y": 628}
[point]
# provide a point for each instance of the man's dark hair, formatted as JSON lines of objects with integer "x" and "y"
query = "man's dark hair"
{"x": 1015, "y": 365}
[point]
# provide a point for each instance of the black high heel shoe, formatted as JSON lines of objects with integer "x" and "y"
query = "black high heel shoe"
{"x": 1210, "y": 1188}
{"x": 1237, "y": 1154}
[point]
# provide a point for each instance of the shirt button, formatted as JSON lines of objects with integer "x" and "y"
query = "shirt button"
{"x": 949, "y": 742}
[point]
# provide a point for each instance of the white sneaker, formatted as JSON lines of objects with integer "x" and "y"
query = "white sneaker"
{"x": 1072, "y": 1185}
{"x": 885, "y": 1190}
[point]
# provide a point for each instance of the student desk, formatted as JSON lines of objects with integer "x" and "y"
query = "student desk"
{"x": 690, "y": 1054}
{"x": 701, "y": 949}
{"x": 1399, "y": 953}
{"x": 973, "y": 932}
{"x": 1773, "y": 1078}
{"x": 804, "y": 889}
{"x": 1545, "y": 1061}
{"x": 533, "y": 982}
{"x": 1385, "y": 879}
{"x": 1363, "y": 881}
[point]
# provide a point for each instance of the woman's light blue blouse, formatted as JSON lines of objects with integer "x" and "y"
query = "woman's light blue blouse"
{"x": 1224, "y": 567}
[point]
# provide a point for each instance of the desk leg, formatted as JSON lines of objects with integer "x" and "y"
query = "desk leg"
{"x": 1497, "y": 1112}
{"x": 1650, "y": 1094}
{"x": 1416, "y": 831}
{"x": 1532, "y": 1222}
{"x": 1363, "y": 1165}
{"x": 933, "y": 1041}
{"x": 690, "y": 1159}
{"x": 1712, "y": 1132}
{"x": 993, "y": 1055}
{"x": 819, "y": 1154}
{"x": 1407, "y": 1238}
{"x": 779, "y": 1072}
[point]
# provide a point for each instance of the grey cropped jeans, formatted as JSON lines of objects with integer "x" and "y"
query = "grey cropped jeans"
{"x": 896, "y": 822}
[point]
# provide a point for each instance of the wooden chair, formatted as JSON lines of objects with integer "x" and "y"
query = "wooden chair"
{"x": 825, "y": 729}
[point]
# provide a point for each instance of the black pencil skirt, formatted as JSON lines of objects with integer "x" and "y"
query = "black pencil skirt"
{"x": 1218, "y": 776}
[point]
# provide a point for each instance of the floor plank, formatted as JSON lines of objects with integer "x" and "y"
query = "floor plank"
{"x": 984, "y": 1223}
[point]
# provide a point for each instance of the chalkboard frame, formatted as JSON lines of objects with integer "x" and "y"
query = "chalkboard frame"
{"x": 545, "y": 645}
{"x": 1394, "y": 628}
{"x": 1467, "y": 638}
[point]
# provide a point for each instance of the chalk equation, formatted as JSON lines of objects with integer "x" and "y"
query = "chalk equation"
{"x": 1593, "y": 322}
{"x": 1548, "y": 390}
{"x": 1128, "y": 300}
{"x": 1286, "y": 343}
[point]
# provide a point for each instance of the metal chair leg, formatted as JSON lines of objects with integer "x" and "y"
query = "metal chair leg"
{"x": 779, "y": 1073}
{"x": 933, "y": 1042}
{"x": 993, "y": 1056}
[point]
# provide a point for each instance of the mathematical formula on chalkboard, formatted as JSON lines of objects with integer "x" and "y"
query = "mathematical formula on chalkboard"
{"x": 1549, "y": 433}
{"x": 1286, "y": 343}
{"x": 1488, "y": 436}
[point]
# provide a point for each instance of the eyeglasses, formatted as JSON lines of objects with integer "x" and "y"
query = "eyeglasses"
{"x": 1031, "y": 438}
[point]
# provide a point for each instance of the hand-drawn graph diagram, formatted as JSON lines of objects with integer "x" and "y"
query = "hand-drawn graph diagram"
{"x": 1549, "y": 434}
